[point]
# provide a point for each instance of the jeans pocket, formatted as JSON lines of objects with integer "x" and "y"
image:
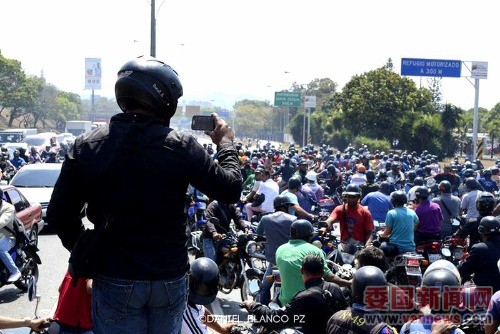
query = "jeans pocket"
{"x": 111, "y": 299}
{"x": 176, "y": 292}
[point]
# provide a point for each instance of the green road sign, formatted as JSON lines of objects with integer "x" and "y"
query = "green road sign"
{"x": 286, "y": 99}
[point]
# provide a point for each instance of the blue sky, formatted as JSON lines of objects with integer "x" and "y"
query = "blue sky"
{"x": 227, "y": 50}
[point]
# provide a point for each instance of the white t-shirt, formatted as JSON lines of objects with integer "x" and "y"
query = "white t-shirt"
{"x": 191, "y": 323}
{"x": 270, "y": 189}
{"x": 469, "y": 203}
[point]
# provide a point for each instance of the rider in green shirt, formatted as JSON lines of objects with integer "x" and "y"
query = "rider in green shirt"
{"x": 289, "y": 259}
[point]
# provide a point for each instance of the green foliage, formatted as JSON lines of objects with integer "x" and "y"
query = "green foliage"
{"x": 373, "y": 144}
{"x": 374, "y": 102}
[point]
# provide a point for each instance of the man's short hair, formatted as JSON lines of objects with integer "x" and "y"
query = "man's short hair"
{"x": 313, "y": 264}
{"x": 372, "y": 256}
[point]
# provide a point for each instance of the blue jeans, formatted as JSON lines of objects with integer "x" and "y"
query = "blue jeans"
{"x": 6, "y": 245}
{"x": 265, "y": 291}
{"x": 210, "y": 249}
{"x": 130, "y": 307}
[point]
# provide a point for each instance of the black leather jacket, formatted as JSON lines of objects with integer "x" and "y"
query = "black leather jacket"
{"x": 482, "y": 262}
{"x": 309, "y": 309}
{"x": 133, "y": 175}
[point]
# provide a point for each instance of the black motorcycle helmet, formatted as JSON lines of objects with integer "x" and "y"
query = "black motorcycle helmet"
{"x": 382, "y": 175}
{"x": 422, "y": 192}
{"x": 469, "y": 172}
{"x": 301, "y": 229}
{"x": 411, "y": 176}
{"x": 203, "y": 281}
{"x": 352, "y": 190}
{"x": 398, "y": 198}
{"x": 485, "y": 203}
{"x": 281, "y": 201}
{"x": 385, "y": 187}
{"x": 489, "y": 225}
{"x": 471, "y": 184}
{"x": 149, "y": 83}
{"x": 294, "y": 182}
{"x": 419, "y": 181}
{"x": 445, "y": 187}
{"x": 370, "y": 176}
{"x": 364, "y": 277}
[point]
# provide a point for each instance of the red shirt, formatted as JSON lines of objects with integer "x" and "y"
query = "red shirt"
{"x": 357, "y": 223}
{"x": 73, "y": 306}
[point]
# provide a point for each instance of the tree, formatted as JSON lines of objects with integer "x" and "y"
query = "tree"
{"x": 435, "y": 89}
{"x": 253, "y": 118}
{"x": 492, "y": 125}
{"x": 374, "y": 102}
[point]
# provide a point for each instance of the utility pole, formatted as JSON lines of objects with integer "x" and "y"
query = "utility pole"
{"x": 153, "y": 29}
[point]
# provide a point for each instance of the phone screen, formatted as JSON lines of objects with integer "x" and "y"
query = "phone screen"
{"x": 203, "y": 123}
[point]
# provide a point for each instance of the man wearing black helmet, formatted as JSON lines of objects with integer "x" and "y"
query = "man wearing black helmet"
{"x": 429, "y": 217}
{"x": 483, "y": 256}
{"x": 485, "y": 203}
{"x": 140, "y": 259}
{"x": 468, "y": 203}
{"x": 356, "y": 223}
{"x": 203, "y": 288}
{"x": 450, "y": 208}
{"x": 276, "y": 228}
{"x": 400, "y": 224}
{"x": 359, "y": 318}
{"x": 309, "y": 309}
{"x": 289, "y": 259}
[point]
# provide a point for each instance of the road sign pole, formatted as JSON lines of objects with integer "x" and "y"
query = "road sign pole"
{"x": 304, "y": 129}
{"x": 476, "y": 119}
{"x": 308, "y": 125}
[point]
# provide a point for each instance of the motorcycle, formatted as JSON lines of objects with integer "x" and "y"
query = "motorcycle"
{"x": 454, "y": 248}
{"x": 25, "y": 256}
{"x": 236, "y": 268}
{"x": 197, "y": 205}
{"x": 404, "y": 269}
{"x": 431, "y": 251}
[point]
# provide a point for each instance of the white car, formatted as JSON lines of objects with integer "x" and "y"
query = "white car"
{"x": 36, "y": 182}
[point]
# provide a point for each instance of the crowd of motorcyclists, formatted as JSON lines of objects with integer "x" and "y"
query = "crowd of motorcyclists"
{"x": 412, "y": 197}
{"x": 20, "y": 157}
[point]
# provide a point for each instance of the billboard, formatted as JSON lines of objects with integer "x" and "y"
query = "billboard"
{"x": 92, "y": 73}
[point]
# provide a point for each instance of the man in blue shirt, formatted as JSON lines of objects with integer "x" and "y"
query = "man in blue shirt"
{"x": 400, "y": 224}
{"x": 17, "y": 161}
{"x": 378, "y": 202}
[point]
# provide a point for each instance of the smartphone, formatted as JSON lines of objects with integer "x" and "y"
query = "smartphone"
{"x": 203, "y": 123}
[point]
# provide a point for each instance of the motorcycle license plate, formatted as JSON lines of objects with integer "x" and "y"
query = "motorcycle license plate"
{"x": 434, "y": 257}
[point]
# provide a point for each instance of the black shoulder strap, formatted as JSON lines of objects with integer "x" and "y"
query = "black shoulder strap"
{"x": 408, "y": 326}
{"x": 446, "y": 208}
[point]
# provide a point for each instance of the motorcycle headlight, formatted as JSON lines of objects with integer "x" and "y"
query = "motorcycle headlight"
{"x": 251, "y": 247}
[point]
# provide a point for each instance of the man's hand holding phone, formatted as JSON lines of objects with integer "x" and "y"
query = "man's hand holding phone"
{"x": 221, "y": 133}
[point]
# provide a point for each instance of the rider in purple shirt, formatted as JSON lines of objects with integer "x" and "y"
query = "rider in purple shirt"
{"x": 429, "y": 217}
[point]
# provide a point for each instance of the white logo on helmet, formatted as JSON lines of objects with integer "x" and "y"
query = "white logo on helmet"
{"x": 158, "y": 90}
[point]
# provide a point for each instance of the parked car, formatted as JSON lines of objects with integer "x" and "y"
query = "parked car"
{"x": 36, "y": 182}
{"x": 30, "y": 213}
